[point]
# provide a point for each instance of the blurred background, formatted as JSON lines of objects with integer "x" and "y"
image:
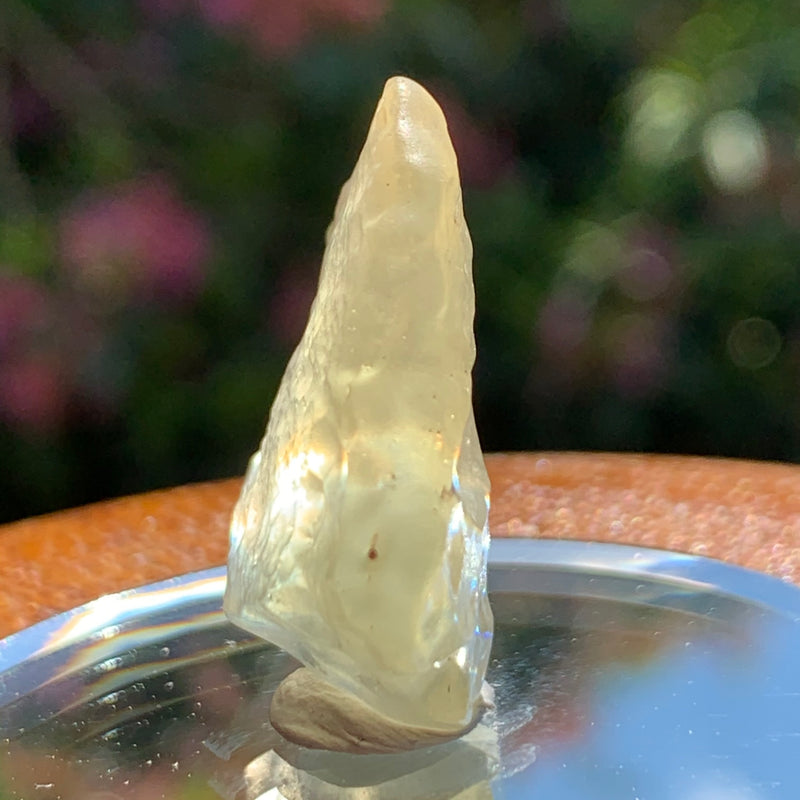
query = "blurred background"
{"x": 631, "y": 178}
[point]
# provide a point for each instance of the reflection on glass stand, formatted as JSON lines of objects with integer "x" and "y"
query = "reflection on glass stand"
{"x": 617, "y": 673}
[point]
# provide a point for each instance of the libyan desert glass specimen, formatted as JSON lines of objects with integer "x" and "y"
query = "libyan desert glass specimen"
{"x": 360, "y": 538}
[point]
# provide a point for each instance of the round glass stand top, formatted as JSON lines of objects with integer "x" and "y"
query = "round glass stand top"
{"x": 618, "y": 673}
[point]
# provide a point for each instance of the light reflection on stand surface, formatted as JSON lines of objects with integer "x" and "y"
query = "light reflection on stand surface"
{"x": 617, "y": 673}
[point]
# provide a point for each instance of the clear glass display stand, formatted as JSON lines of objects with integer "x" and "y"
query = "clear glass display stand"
{"x": 619, "y": 673}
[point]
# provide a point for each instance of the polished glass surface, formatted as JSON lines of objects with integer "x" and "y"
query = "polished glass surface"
{"x": 618, "y": 673}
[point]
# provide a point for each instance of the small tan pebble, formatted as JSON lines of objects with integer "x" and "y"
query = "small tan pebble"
{"x": 310, "y": 712}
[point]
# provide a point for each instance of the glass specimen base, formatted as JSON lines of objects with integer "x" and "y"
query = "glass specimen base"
{"x": 619, "y": 673}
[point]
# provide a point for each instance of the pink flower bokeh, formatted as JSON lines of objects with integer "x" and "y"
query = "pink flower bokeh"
{"x": 649, "y": 271}
{"x": 33, "y": 391}
{"x": 276, "y": 28}
{"x": 137, "y": 239}
{"x": 24, "y": 310}
{"x": 639, "y": 353}
{"x": 563, "y": 326}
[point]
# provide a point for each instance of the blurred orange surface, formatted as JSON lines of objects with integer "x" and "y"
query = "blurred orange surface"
{"x": 738, "y": 511}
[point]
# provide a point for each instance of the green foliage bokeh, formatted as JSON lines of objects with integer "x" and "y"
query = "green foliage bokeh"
{"x": 631, "y": 181}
